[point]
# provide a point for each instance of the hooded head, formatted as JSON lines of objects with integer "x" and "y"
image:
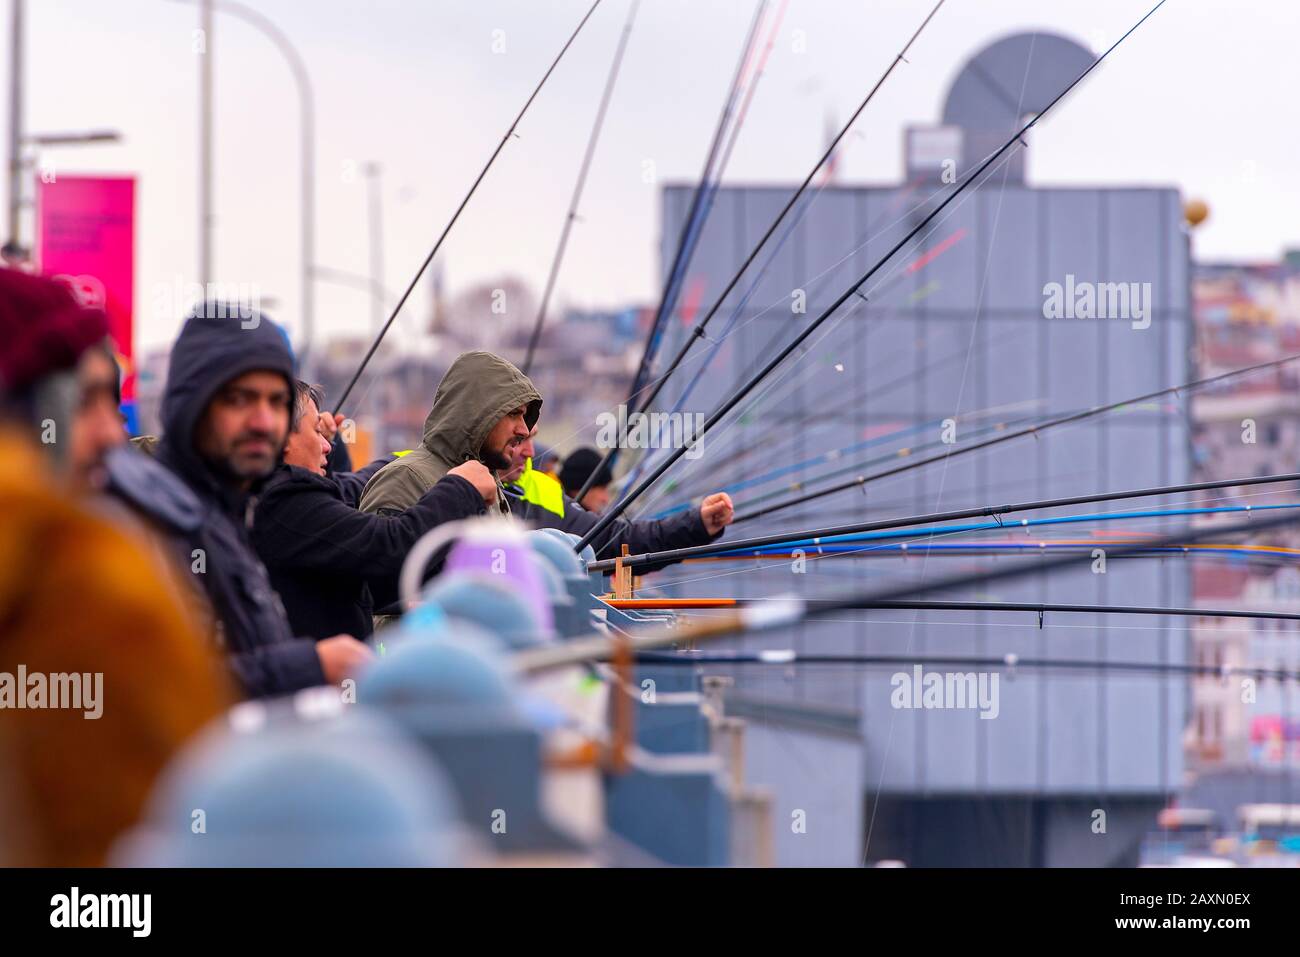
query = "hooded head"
{"x": 217, "y": 345}
{"x": 476, "y": 393}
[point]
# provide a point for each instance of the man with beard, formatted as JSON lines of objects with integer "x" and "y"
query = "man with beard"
{"x": 225, "y": 416}
{"x": 483, "y": 409}
{"x": 486, "y": 409}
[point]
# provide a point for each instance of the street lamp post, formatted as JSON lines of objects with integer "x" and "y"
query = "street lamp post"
{"x": 205, "y": 148}
{"x": 31, "y": 159}
{"x": 307, "y": 130}
{"x": 73, "y": 139}
{"x": 374, "y": 195}
{"x": 15, "y": 123}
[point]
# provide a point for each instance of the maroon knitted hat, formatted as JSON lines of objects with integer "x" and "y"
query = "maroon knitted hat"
{"x": 43, "y": 329}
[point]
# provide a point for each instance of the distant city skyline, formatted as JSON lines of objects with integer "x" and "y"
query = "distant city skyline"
{"x": 419, "y": 89}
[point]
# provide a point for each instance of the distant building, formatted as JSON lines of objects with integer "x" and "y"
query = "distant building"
{"x": 1247, "y": 314}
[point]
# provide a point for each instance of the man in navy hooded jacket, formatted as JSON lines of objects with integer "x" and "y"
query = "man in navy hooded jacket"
{"x": 225, "y": 416}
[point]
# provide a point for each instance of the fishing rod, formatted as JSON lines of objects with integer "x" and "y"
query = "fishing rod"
{"x": 1073, "y": 417}
{"x": 1039, "y": 608}
{"x": 887, "y": 549}
{"x": 374, "y": 346}
{"x": 697, "y": 331}
{"x": 922, "y": 261}
{"x": 605, "y": 97}
{"x": 788, "y": 611}
{"x": 1185, "y": 537}
{"x": 818, "y": 536}
{"x": 899, "y": 502}
{"x": 703, "y": 363}
{"x": 616, "y": 510}
{"x": 834, "y": 455}
{"x": 882, "y": 289}
{"x": 844, "y": 543}
{"x": 766, "y": 398}
{"x": 1012, "y": 662}
{"x": 685, "y": 242}
{"x": 661, "y": 319}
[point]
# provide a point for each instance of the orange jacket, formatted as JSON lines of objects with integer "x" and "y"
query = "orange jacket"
{"x": 79, "y": 595}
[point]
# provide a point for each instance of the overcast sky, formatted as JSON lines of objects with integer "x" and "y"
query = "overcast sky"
{"x": 1202, "y": 98}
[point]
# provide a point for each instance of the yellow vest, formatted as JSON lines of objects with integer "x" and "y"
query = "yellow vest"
{"x": 541, "y": 489}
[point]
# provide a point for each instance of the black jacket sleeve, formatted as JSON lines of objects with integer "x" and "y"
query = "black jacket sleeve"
{"x": 352, "y": 484}
{"x": 278, "y": 668}
{"x": 314, "y": 530}
{"x": 656, "y": 535}
{"x": 677, "y": 531}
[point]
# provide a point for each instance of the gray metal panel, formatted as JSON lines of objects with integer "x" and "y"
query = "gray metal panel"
{"x": 818, "y": 775}
{"x": 1013, "y": 279}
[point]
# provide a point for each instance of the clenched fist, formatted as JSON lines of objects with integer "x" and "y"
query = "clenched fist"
{"x": 342, "y": 656}
{"x": 330, "y": 423}
{"x": 716, "y": 512}
{"x": 477, "y": 474}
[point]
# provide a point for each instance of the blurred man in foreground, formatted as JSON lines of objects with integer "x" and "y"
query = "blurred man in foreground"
{"x": 116, "y": 674}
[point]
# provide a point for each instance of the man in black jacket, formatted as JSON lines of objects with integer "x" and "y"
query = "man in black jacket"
{"x": 318, "y": 548}
{"x": 225, "y": 415}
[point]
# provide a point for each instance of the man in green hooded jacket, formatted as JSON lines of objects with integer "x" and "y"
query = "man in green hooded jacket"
{"x": 486, "y": 409}
{"x": 483, "y": 408}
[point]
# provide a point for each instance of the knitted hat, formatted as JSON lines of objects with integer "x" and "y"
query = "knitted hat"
{"x": 43, "y": 329}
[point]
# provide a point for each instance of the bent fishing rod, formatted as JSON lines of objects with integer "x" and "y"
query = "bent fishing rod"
{"x": 788, "y": 611}
{"x": 590, "y": 152}
{"x": 1073, "y": 417}
{"x": 374, "y": 346}
{"x": 697, "y": 331}
{"x": 821, "y": 536}
{"x": 616, "y": 510}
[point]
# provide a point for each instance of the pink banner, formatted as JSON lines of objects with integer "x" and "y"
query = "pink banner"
{"x": 85, "y": 228}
